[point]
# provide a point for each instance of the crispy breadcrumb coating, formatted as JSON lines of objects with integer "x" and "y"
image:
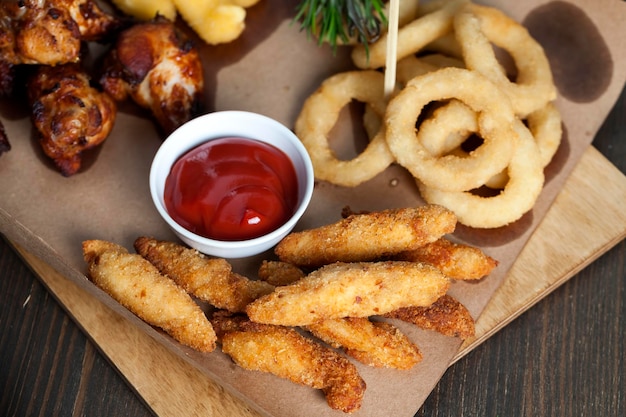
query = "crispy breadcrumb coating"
{"x": 377, "y": 344}
{"x": 456, "y": 260}
{"x": 360, "y": 289}
{"x": 446, "y": 316}
{"x": 284, "y": 352}
{"x": 209, "y": 279}
{"x": 367, "y": 236}
{"x": 141, "y": 288}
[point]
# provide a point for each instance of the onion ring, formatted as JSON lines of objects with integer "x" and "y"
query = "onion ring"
{"x": 525, "y": 183}
{"x": 477, "y": 27}
{"x": 546, "y": 126}
{"x": 412, "y": 37}
{"x": 320, "y": 113}
{"x": 449, "y": 127}
{"x": 449, "y": 172}
{"x": 452, "y": 124}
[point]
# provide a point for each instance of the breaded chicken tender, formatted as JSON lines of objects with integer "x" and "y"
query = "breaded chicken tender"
{"x": 209, "y": 279}
{"x": 446, "y": 316}
{"x": 359, "y": 289}
{"x": 367, "y": 236}
{"x": 456, "y": 260}
{"x": 141, "y": 288}
{"x": 377, "y": 344}
{"x": 279, "y": 273}
{"x": 284, "y": 352}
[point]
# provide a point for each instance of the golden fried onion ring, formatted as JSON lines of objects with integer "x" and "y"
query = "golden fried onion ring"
{"x": 445, "y": 132}
{"x": 525, "y": 183}
{"x": 452, "y": 124}
{"x": 546, "y": 126}
{"x": 450, "y": 172}
{"x": 477, "y": 27}
{"x": 320, "y": 113}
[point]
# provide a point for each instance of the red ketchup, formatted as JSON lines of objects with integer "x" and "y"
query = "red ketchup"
{"x": 232, "y": 189}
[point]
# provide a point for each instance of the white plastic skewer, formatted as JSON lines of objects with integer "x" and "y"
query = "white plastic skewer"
{"x": 392, "y": 47}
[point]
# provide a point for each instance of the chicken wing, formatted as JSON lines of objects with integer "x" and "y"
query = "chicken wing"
{"x": 94, "y": 24}
{"x": 141, "y": 288}
{"x": 50, "y": 32}
{"x": 159, "y": 68}
{"x": 70, "y": 115}
{"x": 284, "y": 352}
{"x": 210, "y": 279}
{"x": 35, "y": 32}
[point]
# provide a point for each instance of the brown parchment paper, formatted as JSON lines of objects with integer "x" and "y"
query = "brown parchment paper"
{"x": 270, "y": 70}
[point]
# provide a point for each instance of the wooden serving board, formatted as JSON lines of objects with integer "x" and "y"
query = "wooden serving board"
{"x": 575, "y": 217}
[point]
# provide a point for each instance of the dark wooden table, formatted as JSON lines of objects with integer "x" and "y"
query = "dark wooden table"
{"x": 564, "y": 357}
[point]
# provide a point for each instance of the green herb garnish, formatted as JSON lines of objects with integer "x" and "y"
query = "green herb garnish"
{"x": 333, "y": 21}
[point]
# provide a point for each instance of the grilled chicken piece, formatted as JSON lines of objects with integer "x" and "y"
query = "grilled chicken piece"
{"x": 34, "y": 32}
{"x": 94, "y": 24}
{"x": 70, "y": 115}
{"x": 50, "y": 32}
{"x": 159, "y": 68}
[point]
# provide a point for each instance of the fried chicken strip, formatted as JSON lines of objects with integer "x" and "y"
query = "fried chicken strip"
{"x": 367, "y": 236}
{"x": 278, "y": 273}
{"x": 210, "y": 279}
{"x": 376, "y": 344}
{"x": 446, "y": 316}
{"x": 141, "y": 288}
{"x": 284, "y": 352}
{"x": 456, "y": 260}
{"x": 70, "y": 115}
{"x": 157, "y": 66}
{"x": 359, "y": 289}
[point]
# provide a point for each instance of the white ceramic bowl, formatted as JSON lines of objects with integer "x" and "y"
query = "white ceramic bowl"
{"x": 224, "y": 124}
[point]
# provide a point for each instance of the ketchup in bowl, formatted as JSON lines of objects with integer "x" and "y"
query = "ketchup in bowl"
{"x": 231, "y": 189}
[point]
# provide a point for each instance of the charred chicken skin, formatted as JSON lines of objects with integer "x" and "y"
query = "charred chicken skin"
{"x": 50, "y": 32}
{"x": 35, "y": 32}
{"x": 159, "y": 68}
{"x": 70, "y": 115}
